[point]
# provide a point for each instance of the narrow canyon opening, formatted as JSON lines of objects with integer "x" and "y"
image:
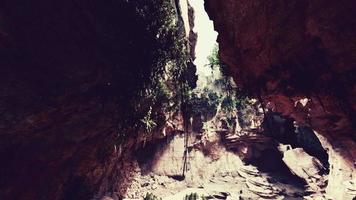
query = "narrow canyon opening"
{"x": 228, "y": 145}
{"x": 177, "y": 100}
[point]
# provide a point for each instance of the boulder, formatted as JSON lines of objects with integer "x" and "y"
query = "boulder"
{"x": 302, "y": 164}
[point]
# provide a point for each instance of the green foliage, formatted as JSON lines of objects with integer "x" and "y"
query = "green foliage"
{"x": 229, "y": 103}
{"x": 222, "y": 93}
{"x": 148, "y": 122}
{"x": 214, "y": 57}
{"x": 150, "y": 196}
{"x": 205, "y": 103}
{"x": 214, "y": 61}
{"x": 232, "y": 99}
{"x": 165, "y": 83}
{"x": 192, "y": 196}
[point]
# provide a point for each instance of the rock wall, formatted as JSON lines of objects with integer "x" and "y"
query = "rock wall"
{"x": 67, "y": 70}
{"x": 299, "y": 57}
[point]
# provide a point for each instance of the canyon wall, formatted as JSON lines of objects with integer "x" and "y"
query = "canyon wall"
{"x": 68, "y": 70}
{"x": 298, "y": 57}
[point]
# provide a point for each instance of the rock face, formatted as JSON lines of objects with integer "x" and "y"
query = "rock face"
{"x": 299, "y": 57}
{"x": 302, "y": 164}
{"x": 212, "y": 171}
{"x": 310, "y": 169}
{"x": 66, "y": 70}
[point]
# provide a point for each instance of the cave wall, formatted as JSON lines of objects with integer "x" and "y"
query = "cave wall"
{"x": 299, "y": 57}
{"x": 66, "y": 68}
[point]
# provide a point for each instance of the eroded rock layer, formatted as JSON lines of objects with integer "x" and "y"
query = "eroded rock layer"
{"x": 299, "y": 57}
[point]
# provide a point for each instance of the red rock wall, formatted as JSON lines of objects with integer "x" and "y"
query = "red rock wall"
{"x": 285, "y": 51}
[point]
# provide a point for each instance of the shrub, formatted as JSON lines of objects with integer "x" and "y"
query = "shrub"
{"x": 161, "y": 82}
{"x": 192, "y": 196}
{"x": 150, "y": 196}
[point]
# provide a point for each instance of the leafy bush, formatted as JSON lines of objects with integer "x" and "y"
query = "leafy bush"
{"x": 150, "y": 196}
{"x": 232, "y": 99}
{"x": 192, "y": 196}
{"x": 213, "y": 59}
{"x": 164, "y": 83}
{"x": 205, "y": 104}
{"x": 148, "y": 122}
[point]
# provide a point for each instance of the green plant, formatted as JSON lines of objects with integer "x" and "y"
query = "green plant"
{"x": 163, "y": 80}
{"x": 148, "y": 122}
{"x": 229, "y": 103}
{"x": 150, "y": 196}
{"x": 205, "y": 103}
{"x": 213, "y": 58}
{"x": 232, "y": 100}
{"x": 192, "y": 196}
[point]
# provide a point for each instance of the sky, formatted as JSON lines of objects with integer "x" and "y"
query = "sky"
{"x": 206, "y": 40}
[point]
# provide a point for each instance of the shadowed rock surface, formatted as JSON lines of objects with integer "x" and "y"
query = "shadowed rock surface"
{"x": 67, "y": 70}
{"x": 287, "y": 52}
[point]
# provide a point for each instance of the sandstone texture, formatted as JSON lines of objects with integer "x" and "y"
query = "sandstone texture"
{"x": 302, "y": 164}
{"x": 298, "y": 57}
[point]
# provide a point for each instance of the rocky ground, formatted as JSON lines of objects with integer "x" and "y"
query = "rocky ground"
{"x": 218, "y": 174}
{"x": 223, "y": 165}
{"x": 245, "y": 183}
